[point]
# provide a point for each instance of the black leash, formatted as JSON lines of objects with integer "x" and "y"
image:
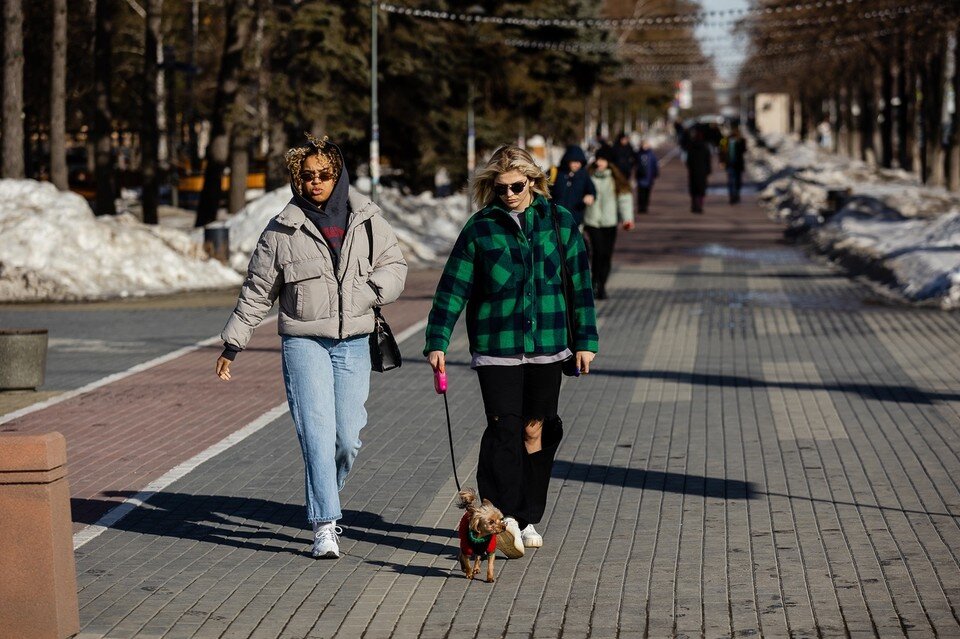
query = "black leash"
{"x": 453, "y": 459}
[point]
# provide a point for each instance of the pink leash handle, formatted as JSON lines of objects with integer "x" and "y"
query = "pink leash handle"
{"x": 440, "y": 382}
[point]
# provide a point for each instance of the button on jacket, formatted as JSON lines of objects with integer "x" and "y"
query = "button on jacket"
{"x": 510, "y": 281}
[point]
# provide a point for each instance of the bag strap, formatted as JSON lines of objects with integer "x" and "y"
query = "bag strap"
{"x": 567, "y": 281}
{"x": 367, "y": 224}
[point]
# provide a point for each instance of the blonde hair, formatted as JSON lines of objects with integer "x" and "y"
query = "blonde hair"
{"x": 505, "y": 159}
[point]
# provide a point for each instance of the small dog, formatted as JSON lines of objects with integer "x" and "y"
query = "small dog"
{"x": 478, "y": 532}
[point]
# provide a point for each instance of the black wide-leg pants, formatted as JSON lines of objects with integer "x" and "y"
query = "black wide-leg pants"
{"x": 514, "y": 480}
{"x": 602, "y": 241}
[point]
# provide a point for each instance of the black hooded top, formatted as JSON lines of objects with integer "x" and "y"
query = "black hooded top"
{"x": 332, "y": 217}
{"x": 570, "y": 188}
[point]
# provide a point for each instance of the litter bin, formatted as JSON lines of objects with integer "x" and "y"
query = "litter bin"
{"x": 216, "y": 242}
{"x": 835, "y": 200}
{"x": 23, "y": 358}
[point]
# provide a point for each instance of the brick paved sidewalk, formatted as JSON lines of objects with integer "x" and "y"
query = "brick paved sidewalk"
{"x": 760, "y": 452}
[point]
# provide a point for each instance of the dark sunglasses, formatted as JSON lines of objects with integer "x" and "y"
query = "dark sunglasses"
{"x": 309, "y": 176}
{"x": 516, "y": 187}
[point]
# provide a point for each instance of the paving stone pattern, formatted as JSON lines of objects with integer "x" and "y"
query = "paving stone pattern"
{"x": 759, "y": 452}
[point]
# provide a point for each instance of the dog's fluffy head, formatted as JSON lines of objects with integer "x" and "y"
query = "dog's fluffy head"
{"x": 485, "y": 518}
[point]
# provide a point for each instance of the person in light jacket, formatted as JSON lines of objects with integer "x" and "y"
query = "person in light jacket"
{"x": 314, "y": 257}
{"x": 612, "y": 207}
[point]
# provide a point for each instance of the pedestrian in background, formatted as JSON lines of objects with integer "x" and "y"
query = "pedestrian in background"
{"x": 441, "y": 182}
{"x": 648, "y": 170}
{"x": 698, "y": 169}
{"x": 624, "y": 157}
{"x": 572, "y": 188}
{"x": 612, "y": 208}
{"x": 733, "y": 150}
{"x": 314, "y": 258}
{"x": 505, "y": 269}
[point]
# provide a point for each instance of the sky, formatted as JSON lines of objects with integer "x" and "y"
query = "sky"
{"x": 719, "y": 41}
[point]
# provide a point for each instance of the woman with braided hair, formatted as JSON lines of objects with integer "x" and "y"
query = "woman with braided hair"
{"x": 315, "y": 258}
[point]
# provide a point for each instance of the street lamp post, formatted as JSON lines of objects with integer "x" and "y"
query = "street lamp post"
{"x": 374, "y": 115}
{"x": 476, "y": 11}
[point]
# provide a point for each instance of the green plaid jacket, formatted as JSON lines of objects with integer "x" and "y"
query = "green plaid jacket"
{"x": 512, "y": 285}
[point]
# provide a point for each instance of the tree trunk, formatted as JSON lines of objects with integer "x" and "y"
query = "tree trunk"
{"x": 276, "y": 167}
{"x": 886, "y": 125}
{"x": 13, "y": 138}
{"x": 150, "y": 130}
{"x": 931, "y": 108}
{"x": 191, "y": 115}
{"x": 103, "y": 118}
{"x": 867, "y": 119}
{"x": 58, "y": 98}
{"x": 239, "y": 169}
{"x": 904, "y": 134}
{"x": 953, "y": 177}
{"x": 238, "y": 21}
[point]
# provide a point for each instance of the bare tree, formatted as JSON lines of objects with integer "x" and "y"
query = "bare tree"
{"x": 58, "y": 98}
{"x": 103, "y": 116}
{"x": 150, "y": 132}
{"x": 239, "y": 26}
{"x": 13, "y": 89}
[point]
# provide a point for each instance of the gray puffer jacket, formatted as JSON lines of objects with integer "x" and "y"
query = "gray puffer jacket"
{"x": 293, "y": 262}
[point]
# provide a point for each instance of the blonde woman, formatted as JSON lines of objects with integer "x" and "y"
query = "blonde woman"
{"x": 314, "y": 258}
{"x": 505, "y": 269}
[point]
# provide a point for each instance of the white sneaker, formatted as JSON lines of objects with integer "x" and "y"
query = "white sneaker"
{"x": 325, "y": 540}
{"x": 531, "y": 538}
{"x": 510, "y": 541}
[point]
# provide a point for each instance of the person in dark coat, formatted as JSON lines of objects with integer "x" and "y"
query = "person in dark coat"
{"x": 698, "y": 169}
{"x": 624, "y": 157}
{"x": 573, "y": 189}
{"x": 648, "y": 170}
{"x": 733, "y": 150}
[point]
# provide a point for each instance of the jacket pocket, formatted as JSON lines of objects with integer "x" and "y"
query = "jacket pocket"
{"x": 364, "y": 297}
{"x": 307, "y": 285}
{"x": 552, "y": 273}
{"x": 500, "y": 273}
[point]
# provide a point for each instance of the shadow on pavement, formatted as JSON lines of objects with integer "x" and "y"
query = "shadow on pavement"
{"x": 718, "y": 487}
{"x": 250, "y": 522}
{"x": 894, "y": 393}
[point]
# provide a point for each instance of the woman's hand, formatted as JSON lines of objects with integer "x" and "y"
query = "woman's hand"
{"x": 223, "y": 368}
{"x": 583, "y": 361}
{"x": 628, "y": 226}
{"x": 437, "y": 360}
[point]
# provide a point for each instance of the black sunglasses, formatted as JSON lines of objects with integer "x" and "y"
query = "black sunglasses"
{"x": 516, "y": 187}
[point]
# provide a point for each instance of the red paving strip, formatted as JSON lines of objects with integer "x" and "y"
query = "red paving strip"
{"x": 122, "y": 436}
{"x": 670, "y": 233}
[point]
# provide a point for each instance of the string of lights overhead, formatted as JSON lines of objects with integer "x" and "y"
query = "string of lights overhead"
{"x": 675, "y": 21}
{"x": 646, "y": 48}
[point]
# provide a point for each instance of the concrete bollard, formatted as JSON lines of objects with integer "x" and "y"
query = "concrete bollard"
{"x": 38, "y": 581}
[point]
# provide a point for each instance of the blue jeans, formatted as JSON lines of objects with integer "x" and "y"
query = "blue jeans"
{"x": 327, "y": 382}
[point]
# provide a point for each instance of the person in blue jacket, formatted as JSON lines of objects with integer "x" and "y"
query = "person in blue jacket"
{"x": 648, "y": 170}
{"x": 572, "y": 188}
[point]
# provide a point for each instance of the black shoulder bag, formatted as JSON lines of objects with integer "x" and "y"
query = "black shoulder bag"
{"x": 384, "y": 352}
{"x": 570, "y": 364}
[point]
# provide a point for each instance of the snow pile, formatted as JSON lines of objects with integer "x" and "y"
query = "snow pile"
{"x": 426, "y": 226}
{"x": 886, "y": 223}
{"x": 53, "y": 248}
